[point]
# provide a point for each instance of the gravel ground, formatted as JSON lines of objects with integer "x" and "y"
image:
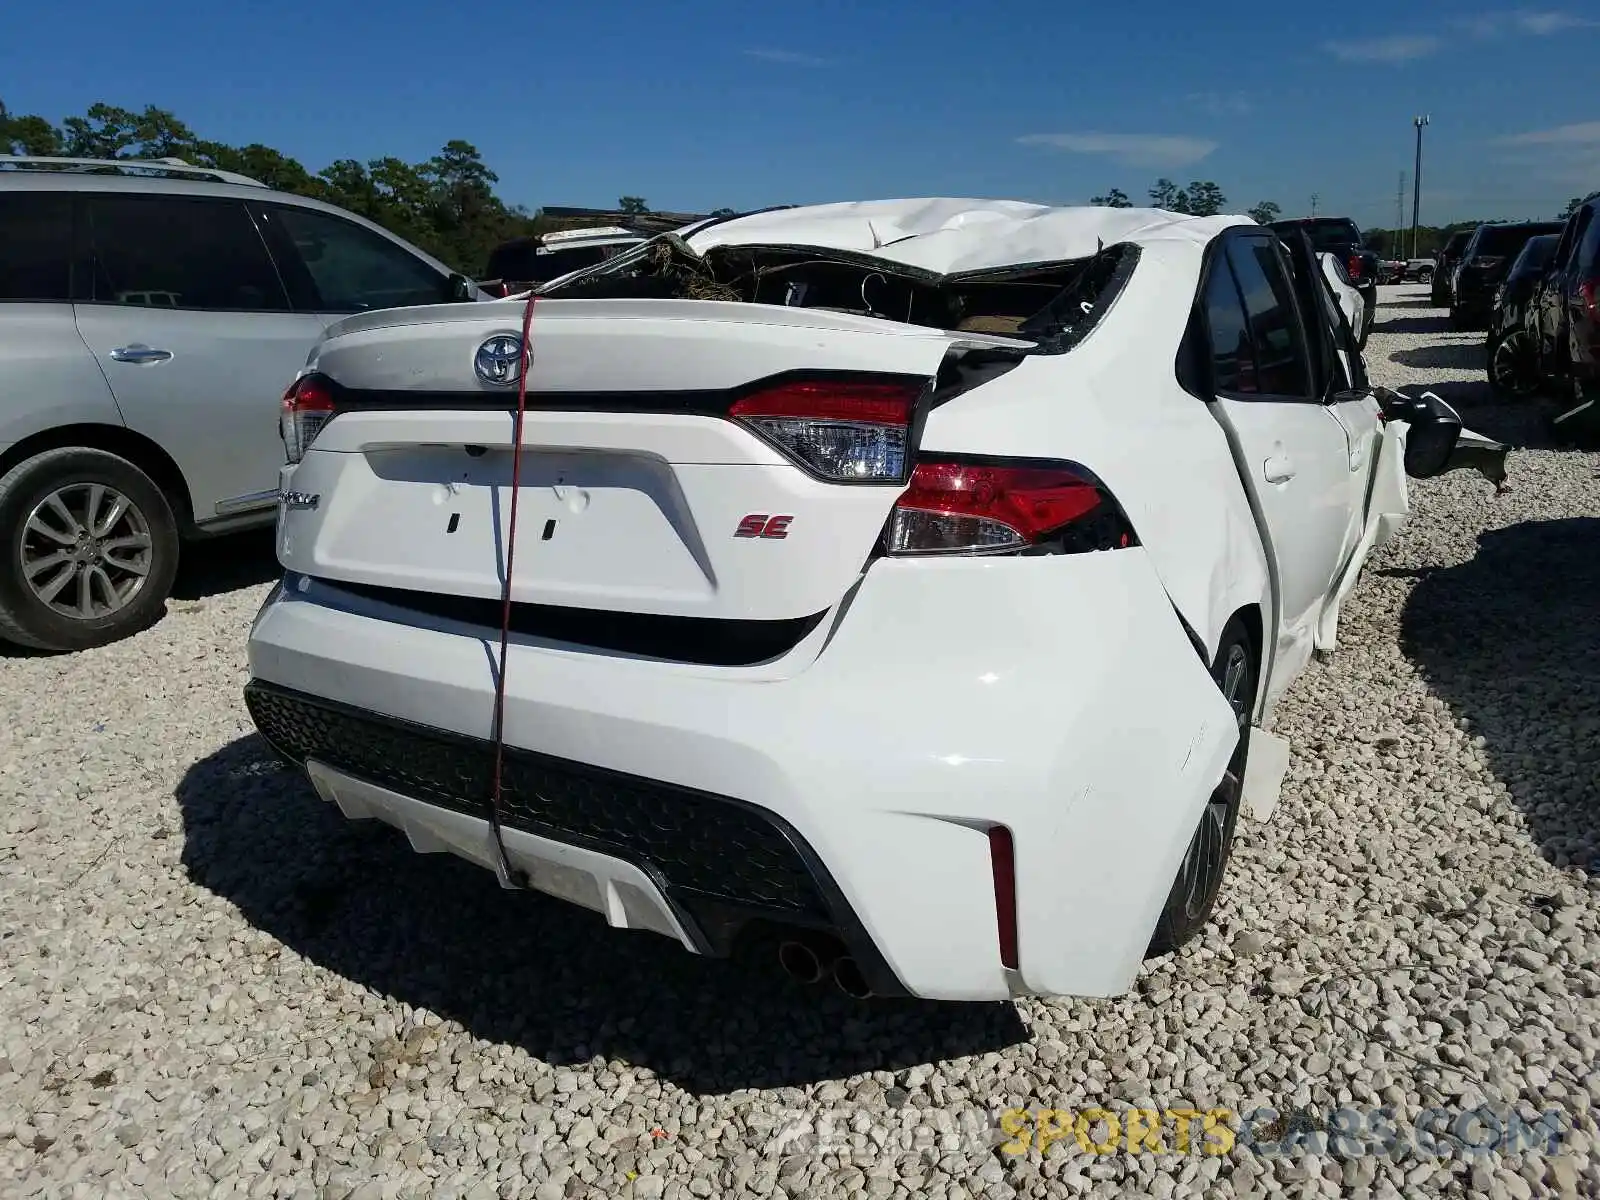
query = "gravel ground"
{"x": 212, "y": 986}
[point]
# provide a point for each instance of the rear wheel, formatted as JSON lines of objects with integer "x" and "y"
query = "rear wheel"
{"x": 90, "y": 550}
{"x": 1513, "y": 365}
{"x": 1194, "y": 891}
{"x": 1425, "y": 275}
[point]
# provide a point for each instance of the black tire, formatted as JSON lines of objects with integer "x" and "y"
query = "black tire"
{"x": 1425, "y": 275}
{"x": 132, "y": 559}
{"x": 1194, "y": 891}
{"x": 1511, "y": 380}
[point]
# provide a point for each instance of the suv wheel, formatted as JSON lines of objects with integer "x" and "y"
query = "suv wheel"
{"x": 1194, "y": 891}
{"x": 91, "y": 550}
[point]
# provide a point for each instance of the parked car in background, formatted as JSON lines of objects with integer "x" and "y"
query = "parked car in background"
{"x": 516, "y": 265}
{"x": 1444, "y": 265}
{"x": 1567, "y": 320}
{"x": 151, "y": 314}
{"x": 1416, "y": 270}
{"x": 1510, "y": 350}
{"x": 812, "y": 543}
{"x": 1342, "y": 236}
{"x": 1485, "y": 262}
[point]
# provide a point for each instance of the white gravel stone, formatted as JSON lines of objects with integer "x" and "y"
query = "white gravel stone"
{"x": 211, "y": 985}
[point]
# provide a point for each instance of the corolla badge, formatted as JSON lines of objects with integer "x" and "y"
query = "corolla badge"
{"x": 499, "y": 360}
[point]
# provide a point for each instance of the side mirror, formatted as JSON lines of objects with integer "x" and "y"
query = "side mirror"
{"x": 458, "y": 288}
{"x": 1436, "y": 440}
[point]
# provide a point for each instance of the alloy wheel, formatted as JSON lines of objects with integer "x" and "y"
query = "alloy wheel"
{"x": 86, "y": 551}
{"x": 1512, "y": 368}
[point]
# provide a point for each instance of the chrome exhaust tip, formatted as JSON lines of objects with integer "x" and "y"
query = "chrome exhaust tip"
{"x": 849, "y": 979}
{"x": 800, "y": 962}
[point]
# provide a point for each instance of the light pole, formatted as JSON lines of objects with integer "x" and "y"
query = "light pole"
{"x": 1416, "y": 184}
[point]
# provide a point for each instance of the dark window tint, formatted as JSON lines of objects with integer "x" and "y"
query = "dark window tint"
{"x": 1508, "y": 239}
{"x": 1333, "y": 234}
{"x": 556, "y": 263}
{"x": 35, "y": 245}
{"x": 1457, "y": 243}
{"x": 1589, "y": 250}
{"x": 522, "y": 262}
{"x": 1536, "y": 255}
{"x": 1281, "y": 368}
{"x": 180, "y": 252}
{"x": 1232, "y": 354}
{"x": 355, "y": 269}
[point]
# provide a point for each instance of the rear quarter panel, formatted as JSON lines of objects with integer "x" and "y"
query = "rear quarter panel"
{"x": 1113, "y": 405}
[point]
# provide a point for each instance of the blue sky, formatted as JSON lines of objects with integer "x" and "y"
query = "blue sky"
{"x": 698, "y": 105}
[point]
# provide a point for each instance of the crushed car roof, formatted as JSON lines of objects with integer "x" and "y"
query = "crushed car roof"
{"x": 950, "y": 235}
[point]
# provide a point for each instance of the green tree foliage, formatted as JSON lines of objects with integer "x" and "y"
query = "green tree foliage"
{"x": 1115, "y": 198}
{"x": 1202, "y": 198}
{"x": 1264, "y": 213}
{"x": 446, "y": 205}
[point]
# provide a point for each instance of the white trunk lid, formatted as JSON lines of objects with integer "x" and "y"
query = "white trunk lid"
{"x": 633, "y": 487}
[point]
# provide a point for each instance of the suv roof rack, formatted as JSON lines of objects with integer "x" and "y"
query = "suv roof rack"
{"x": 171, "y": 166}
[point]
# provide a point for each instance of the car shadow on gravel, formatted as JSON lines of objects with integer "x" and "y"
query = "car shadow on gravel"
{"x": 1510, "y": 641}
{"x": 526, "y": 970}
{"x": 1409, "y": 324}
{"x": 211, "y": 566}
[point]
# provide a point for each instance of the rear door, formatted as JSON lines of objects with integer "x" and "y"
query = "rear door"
{"x": 47, "y": 375}
{"x": 192, "y": 327}
{"x": 1550, "y": 299}
{"x": 1293, "y": 452}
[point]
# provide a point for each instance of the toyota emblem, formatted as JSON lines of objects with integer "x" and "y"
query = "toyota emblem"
{"x": 499, "y": 360}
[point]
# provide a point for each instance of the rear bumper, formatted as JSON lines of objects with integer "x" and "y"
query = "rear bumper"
{"x": 1057, "y": 696}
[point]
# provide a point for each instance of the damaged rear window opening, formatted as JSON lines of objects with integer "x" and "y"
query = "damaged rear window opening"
{"x": 1053, "y": 305}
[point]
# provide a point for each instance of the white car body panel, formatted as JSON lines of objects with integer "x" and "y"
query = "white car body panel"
{"x": 922, "y": 777}
{"x": 1065, "y": 696}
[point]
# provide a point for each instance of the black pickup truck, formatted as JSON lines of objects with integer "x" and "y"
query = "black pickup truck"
{"x": 1342, "y": 237}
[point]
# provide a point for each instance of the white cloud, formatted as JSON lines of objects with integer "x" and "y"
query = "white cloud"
{"x": 1396, "y": 48}
{"x": 1221, "y": 104}
{"x": 1130, "y": 149}
{"x": 1535, "y": 22}
{"x": 789, "y": 58}
{"x": 1586, "y": 133}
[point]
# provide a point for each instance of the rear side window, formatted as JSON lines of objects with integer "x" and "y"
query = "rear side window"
{"x": 1589, "y": 251}
{"x": 1281, "y": 360}
{"x": 1232, "y": 353}
{"x": 35, "y": 245}
{"x": 354, "y": 269}
{"x": 180, "y": 252}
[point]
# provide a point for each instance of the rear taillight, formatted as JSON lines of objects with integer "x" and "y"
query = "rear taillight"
{"x": 842, "y": 430}
{"x": 1004, "y": 507}
{"x": 1354, "y": 266}
{"x": 1589, "y": 290}
{"x": 307, "y": 407}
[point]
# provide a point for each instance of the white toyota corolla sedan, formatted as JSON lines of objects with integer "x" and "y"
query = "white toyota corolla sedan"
{"x": 904, "y": 584}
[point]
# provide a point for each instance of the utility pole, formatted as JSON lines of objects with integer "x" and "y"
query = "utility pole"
{"x": 1398, "y": 248}
{"x": 1416, "y": 184}
{"x": 1313, "y": 204}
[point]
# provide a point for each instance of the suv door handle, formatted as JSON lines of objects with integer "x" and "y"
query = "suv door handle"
{"x": 139, "y": 353}
{"x": 1278, "y": 469}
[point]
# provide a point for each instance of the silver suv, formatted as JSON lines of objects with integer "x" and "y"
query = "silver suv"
{"x": 151, "y": 315}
